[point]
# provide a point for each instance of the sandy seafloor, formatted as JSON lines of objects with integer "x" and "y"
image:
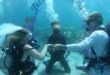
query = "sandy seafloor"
{"x": 73, "y": 59}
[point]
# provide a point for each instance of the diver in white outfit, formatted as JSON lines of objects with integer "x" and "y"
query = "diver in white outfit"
{"x": 95, "y": 46}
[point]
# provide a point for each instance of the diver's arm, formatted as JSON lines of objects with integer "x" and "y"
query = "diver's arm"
{"x": 77, "y": 47}
{"x": 34, "y": 53}
{"x": 85, "y": 44}
{"x": 80, "y": 47}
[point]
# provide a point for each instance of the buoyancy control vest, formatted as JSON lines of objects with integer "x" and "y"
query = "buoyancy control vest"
{"x": 102, "y": 61}
{"x": 17, "y": 66}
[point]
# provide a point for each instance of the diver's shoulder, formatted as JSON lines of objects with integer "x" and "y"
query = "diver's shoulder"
{"x": 99, "y": 33}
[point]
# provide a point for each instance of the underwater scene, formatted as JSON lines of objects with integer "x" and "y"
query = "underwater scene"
{"x": 59, "y": 43}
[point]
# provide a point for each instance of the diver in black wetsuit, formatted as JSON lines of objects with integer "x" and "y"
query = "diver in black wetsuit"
{"x": 57, "y": 38}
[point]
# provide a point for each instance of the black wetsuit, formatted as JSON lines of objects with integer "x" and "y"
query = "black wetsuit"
{"x": 57, "y": 55}
{"x": 27, "y": 67}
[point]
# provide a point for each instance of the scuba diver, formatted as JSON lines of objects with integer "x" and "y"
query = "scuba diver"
{"x": 95, "y": 46}
{"x": 57, "y": 38}
{"x": 16, "y": 50}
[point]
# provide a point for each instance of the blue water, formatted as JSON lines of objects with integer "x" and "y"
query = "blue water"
{"x": 16, "y": 11}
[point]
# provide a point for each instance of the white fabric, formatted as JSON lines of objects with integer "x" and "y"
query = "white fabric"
{"x": 98, "y": 40}
{"x": 5, "y": 29}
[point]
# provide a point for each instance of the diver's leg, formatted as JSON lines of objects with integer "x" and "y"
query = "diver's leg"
{"x": 50, "y": 65}
{"x": 65, "y": 64}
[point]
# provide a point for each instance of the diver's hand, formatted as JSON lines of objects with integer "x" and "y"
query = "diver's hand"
{"x": 51, "y": 48}
{"x": 60, "y": 47}
{"x": 49, "y": 45}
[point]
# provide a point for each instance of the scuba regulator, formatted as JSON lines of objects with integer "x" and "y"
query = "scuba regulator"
{"x": 34, "y": 43}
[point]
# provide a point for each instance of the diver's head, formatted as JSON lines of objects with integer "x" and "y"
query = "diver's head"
{"x": 19, "y": 37}
{"x": 56, "y": 27}
{"x": 93, "y": 21}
